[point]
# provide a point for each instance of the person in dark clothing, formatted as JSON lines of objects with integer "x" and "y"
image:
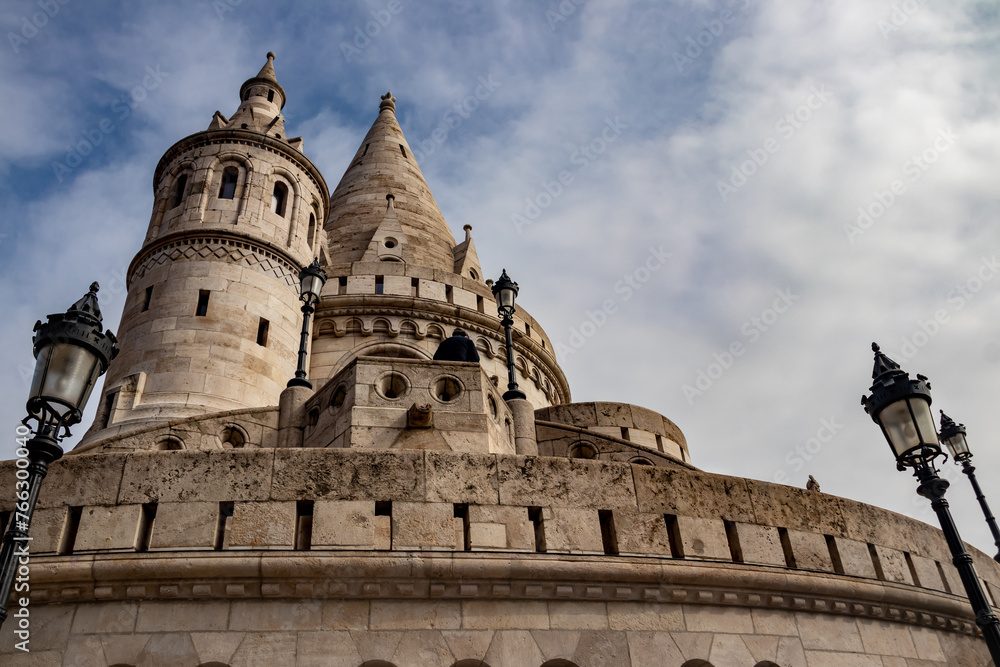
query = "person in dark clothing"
{"x": 457, "y": 348}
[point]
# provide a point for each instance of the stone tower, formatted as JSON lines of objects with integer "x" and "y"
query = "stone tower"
{"x": 401, "y": 512}
{"x": 211, "y": 320}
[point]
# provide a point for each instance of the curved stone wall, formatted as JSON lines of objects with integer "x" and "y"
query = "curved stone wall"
{"x": 250, "y": 557}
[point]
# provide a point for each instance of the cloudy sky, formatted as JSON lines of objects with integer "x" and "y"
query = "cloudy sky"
{"x": 713, "y": 207}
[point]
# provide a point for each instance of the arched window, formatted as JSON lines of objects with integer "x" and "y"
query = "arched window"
{"x": 311, "y": 236}
{"x": 278, "y": 198}
{"x": 179, "y": 191}
{"x": 230, "y": 175}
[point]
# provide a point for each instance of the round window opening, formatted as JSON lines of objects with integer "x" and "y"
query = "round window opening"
{"x": 493, "y": 406}
{"x": 582, "y": 450}
{"x": 233, "y": 438}
{"x": 392, "y": 385}
{"x": 472, "y": 272}
{"x": 447, "y": 389}
{"x": 170, "y": 444}
{"x": 338, "y": 397}
{"x": 641, "y": 461}
{"x": 390, "y": 242}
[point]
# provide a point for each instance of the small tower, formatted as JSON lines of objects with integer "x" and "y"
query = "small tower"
{"x": 211, "y": 321}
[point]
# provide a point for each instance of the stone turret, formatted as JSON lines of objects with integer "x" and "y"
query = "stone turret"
{"x": 212, "y": 318}
{"x": 399, "y": 283}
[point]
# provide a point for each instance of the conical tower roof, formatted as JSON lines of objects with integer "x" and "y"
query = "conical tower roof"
{"x": 384, "y": 165}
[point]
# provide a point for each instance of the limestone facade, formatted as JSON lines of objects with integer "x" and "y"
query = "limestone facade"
{"x": 400, "y": 513}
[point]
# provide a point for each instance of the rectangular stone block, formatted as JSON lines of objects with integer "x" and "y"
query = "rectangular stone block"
{"x": 383, "y": 532}
{"x": 112, "y": 528}
{"x": 415, "y": 615}
{"x": 810, "y": 551}
{"x": 267, "y": 525}
{"x": 692, "y": 494}
{"x": 894, "y": 565}
{"x": 488, "y": 523}
{"x": 47, "y": 526}
{"x": 928, "y": 573}
{"x": 431, "y": 290}
{"x": 360, "y": 284}
{"x": 465, "y": 299}
{"x": 398, "y": 285}
{"x": 856, "y": 559}
{"x": 559, "y": 482}
{"x": 572, "y": 530}
{"x": 760, "y": 544}
{"x": 703, "y": 538}
{"x": 333, "y": 474}
{"x": 462, "y": 478}
{"x": 184, "y": 526}
{"x": 197, "y": 475}
{"x": 344, "y": 523}
{"x": 425, "y": 526}
{"x": 641, "y": 534}
{"x": 798, "y": 509}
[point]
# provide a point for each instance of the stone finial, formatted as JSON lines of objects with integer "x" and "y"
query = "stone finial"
{"x": 812, "y": 484}
{"x": 388, "y": 102}
{"x": 468, "y": 232}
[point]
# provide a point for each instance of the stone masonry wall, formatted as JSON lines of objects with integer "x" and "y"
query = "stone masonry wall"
{"x": 422, "y": 558}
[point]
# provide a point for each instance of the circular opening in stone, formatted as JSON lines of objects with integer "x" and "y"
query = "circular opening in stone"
{"x": 493, "y": 406}
{"x": 390, "y": 242}
{"x": 582, "y": 450}
{"x": 641, "y": 461}
{"x": 170, "y": 444}
{"x": 338, "y": 397}
{"x": 446, "y": 389}
{"x": 233, "y": 438}
{"x": 392, "y": 385}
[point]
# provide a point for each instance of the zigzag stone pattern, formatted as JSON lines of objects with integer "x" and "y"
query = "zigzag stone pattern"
{"x": 242, "y": 252}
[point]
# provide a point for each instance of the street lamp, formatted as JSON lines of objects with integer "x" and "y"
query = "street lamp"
{"x": 902, "y": 408}
{"x": 505, "y": 291}
{"x": 953, "y": 436}
{"x": 71, "y": 353}
{"x": 311, "y": 281}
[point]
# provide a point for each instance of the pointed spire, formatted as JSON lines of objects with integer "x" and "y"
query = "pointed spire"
{"x": 883, "y": 364}
{"x": 267, "y": 71}
{"x": 384, "y": 162}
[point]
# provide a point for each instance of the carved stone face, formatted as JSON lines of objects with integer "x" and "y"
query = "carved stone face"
{"x": 420, "y": 416}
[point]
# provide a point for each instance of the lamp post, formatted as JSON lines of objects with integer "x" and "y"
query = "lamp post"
{"x": 505, "y": 291}
{"x": 311, "y": 281}
{"x": 902, "y": 408}
{"x": 953, "y": 436}
{"x": 71, "y": 353}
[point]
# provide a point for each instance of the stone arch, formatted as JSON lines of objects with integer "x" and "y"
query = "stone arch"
{"x": 697, "y": 662}
{"x": 435, "y": 330}
{"x": 166, "y": 189}
{"x": 376, "y": 663}
{"x": 170, "y": 443}
{"x": 379, "y": 349}
{"x": 470, "y": 662}
{"x": 766, "y": 663}
{"x": 213, "y": 664}
{"x": 485, "y": 345}
{"x": 214, "y": 180}
{"x": 559, "y": 662}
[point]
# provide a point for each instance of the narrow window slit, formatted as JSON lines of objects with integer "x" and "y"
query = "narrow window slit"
{"x": 674, "y": 536}
{"x": 944, "y": 579}
{"x": 262, "y": 329}
{"x": 379, "y": 284}
{"x": 68, "y": 540}
{"x": 146, "y": 522}
{"x": 147, "y": 298}
{"x": 831, "y": 545}
{"x": 876, "y": 562}
{"x": 786, "y": 547}
{"x": 733, "y": 537}
{"x": 222, "y": 527}
{"x": 537, "y": 520}
{"x": 303, "y": 524}
{"x": 202, "y": 309}
{"x": 624, "y": 430}
{"x": 608, "y": 535}
{"x": 462, "y": 512}
{"x": 912, "y": 568}
{"x": 415, "y": 287}
{"x": 402, "y": 150}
